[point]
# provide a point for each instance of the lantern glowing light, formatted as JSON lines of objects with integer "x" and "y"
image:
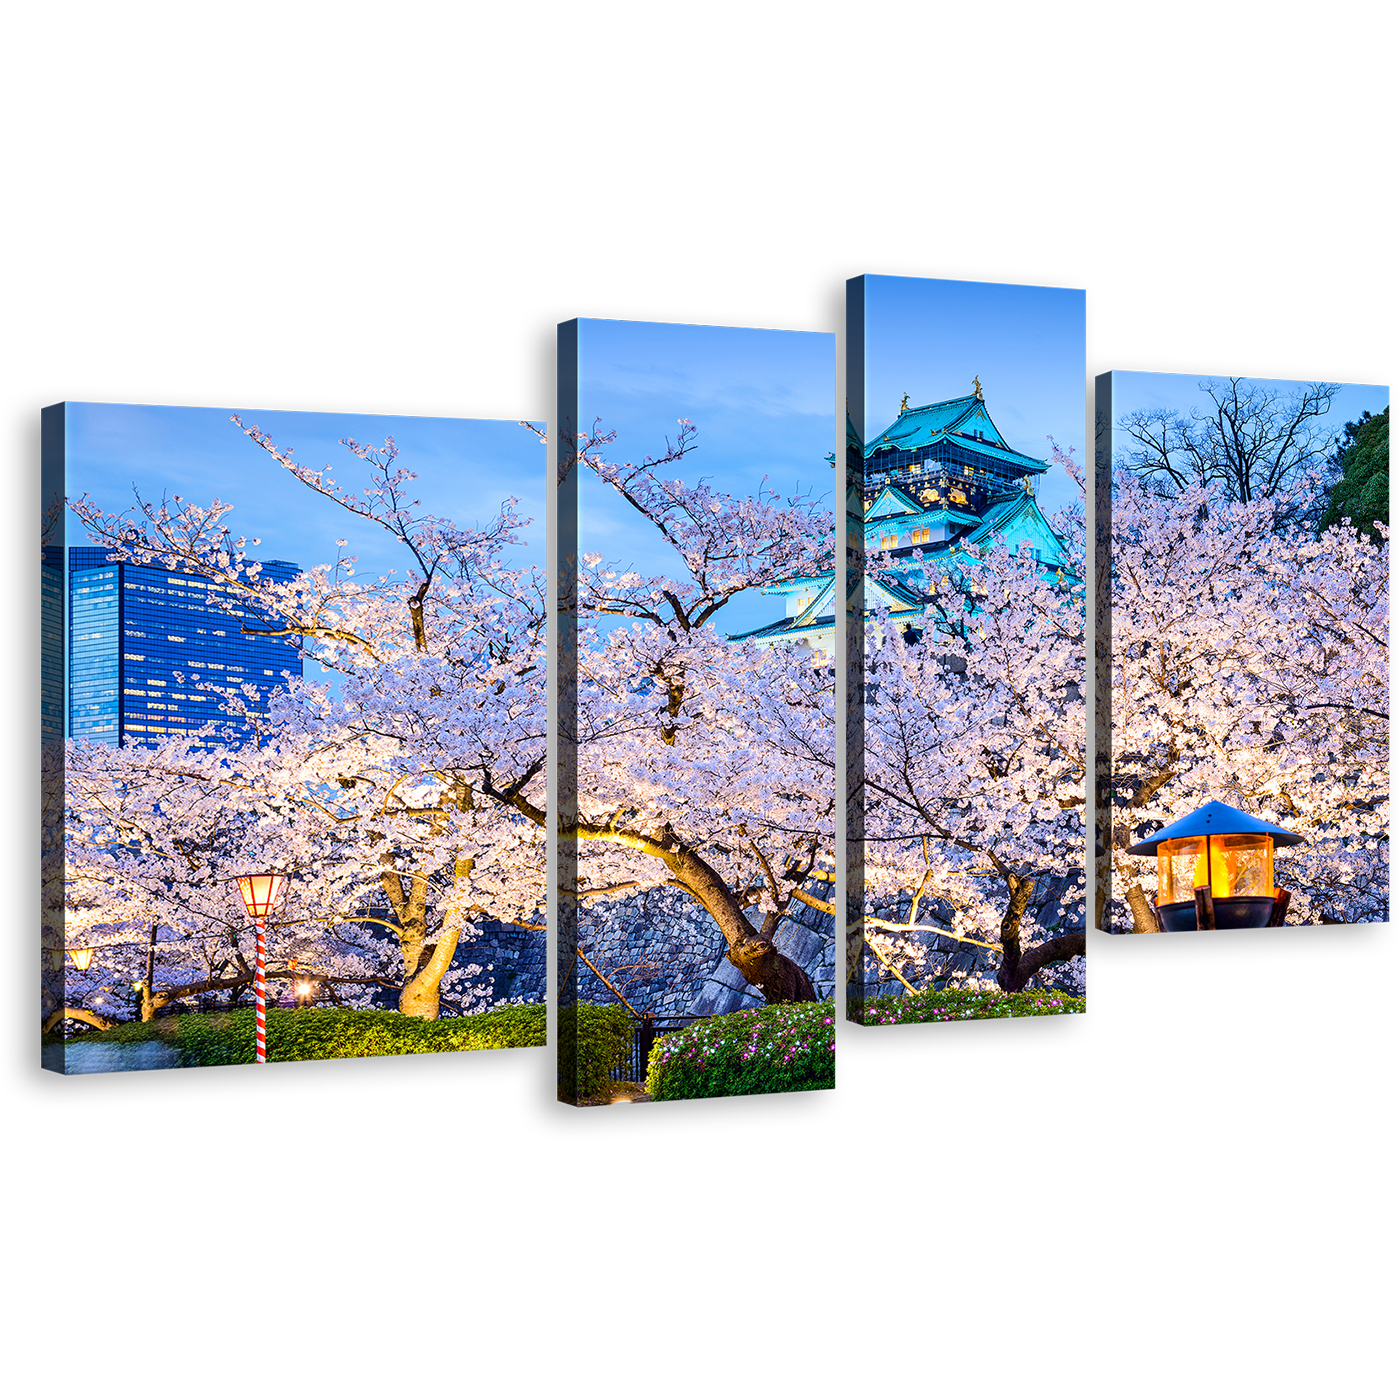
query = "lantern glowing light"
{"x": 82, "y": 958}
{"x": 1238, "y": 864}
{"x": 260, "y": 893}
{"x": 1215, "y": 869}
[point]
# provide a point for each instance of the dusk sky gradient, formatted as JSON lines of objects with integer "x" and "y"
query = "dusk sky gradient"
{"x": 927, "y": 338}
{"x": 762, "y": 403}
{"x": 465, "y": 468}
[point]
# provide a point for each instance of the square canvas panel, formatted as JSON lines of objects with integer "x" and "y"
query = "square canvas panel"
{"x": 308, "y": 647}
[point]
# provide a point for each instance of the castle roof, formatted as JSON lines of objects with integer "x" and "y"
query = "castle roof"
{"x": 818, "y": 616}
{"x": 914, "y": 424}
{"x": 964, "y": 421}
{"x": 892, "y": 500}
{"x": 788, "y": 629}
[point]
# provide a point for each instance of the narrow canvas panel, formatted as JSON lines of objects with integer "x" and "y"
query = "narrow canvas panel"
{"x": 697, "y": 687}
{"x": 294, "y": 724}
{"x": 966, "y": 661}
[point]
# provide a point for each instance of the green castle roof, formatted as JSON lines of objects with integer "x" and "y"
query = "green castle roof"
{"x": 917, "y": 428}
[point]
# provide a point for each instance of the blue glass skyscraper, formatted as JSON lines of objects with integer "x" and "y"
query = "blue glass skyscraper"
{"x": 142, "y": 639}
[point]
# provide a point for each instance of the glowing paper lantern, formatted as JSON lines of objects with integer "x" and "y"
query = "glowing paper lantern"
{"x": 260, "y": 893}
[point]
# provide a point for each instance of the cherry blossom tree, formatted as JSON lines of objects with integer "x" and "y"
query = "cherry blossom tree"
{"x": 975, "y": 763}
{"x": 1250, "y": 664}
{"x": 410, "y": 796}
{"x": 702, "y": 764}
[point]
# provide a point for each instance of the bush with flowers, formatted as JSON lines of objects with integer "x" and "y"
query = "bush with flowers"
{"x": 768, "y": 1050}
{"x": 965, "y": 1004}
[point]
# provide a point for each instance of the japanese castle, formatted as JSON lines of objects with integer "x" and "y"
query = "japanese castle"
{"x": 941, "y": 481}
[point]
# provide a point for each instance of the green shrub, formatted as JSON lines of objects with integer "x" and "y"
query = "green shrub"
{"x": 591, "y": 1041}
{"x": 769, "y": 1050}
{"x": 964, "y": 1005}
{"x": 325, "y": 1033}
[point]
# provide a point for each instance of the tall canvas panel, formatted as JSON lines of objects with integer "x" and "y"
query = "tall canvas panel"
{"x": 965, "y": 518}
{"x": 696, "y": 691}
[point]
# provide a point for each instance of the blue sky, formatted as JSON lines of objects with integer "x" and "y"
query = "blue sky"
{"x": 761, "y": 400}
{"x": 927, "y": 338}
{"x": 465, "y": 468}
{"x": 1136, "y": 390}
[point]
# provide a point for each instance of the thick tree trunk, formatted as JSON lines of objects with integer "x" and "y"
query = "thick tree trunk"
{"x": 148, "y": 987}
{"x": 1053, "y": 950}
{"x": 751, "y": 950}
{"x": 1144, "y": 920}
{"x": 1018, "y": 967}
{"x": 422, "y": 988}
{"x": 1010, "y": 935}
{"x": 425, "y": 964}
{"x": 773, "y": 973}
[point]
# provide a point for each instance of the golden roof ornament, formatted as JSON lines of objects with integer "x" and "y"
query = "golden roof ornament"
{"x": 904, "y": 404}
{"x": 977, "y": 386}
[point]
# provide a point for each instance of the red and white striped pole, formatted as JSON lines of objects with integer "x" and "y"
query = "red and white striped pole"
{"x": 260, "y": 987}
{"x": 259, "y": 895}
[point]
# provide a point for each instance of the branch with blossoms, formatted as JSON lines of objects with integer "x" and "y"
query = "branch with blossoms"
{"x": 1249, "y": 665}
{"x": 724, "y": 543}
{"x": 383, "y": 793}
{"x": 679, "y": 731}
{"x": 975, "y": 747}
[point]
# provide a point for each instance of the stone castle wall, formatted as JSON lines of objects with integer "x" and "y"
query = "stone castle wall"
{"x": 660, "y": 949}
{"x": 514, "y": 959}
{"x": 665, "y": 955}
{"x": 949, "y": 963}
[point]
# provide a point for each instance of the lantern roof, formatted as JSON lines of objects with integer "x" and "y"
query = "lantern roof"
{"x": 1216, "y": 819}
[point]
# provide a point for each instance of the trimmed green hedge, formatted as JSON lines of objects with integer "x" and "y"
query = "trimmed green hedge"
{"x": 769, "y": 1050}
{"x": 591, "y": 1041}
{"x": 958, "y": 1005}
{"x": 324, "y": 1033}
